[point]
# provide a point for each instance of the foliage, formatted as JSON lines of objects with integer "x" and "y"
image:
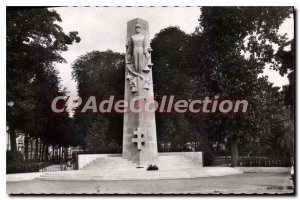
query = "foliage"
{"x": 287, "y": 60}
{"x": 225, "y": 57}
{"x": 100, "y": 74}
{"x": 232, "y": 31}
{"x": 278, "y": 141}
{"x": 96, "y": 139}
{"x": 34, "y": 43}
{"x": 11, "y": 158}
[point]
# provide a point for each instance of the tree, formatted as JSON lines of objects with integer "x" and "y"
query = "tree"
{"x": 286, "y": 60}
{"x": 224, "y": 57}
{"x": 96, "y": 137}
{"x": 174, "y": 74}
{"x": 230, "y": 33}
{"x": 99, "y": 74}
{"x": 34, "y": 42}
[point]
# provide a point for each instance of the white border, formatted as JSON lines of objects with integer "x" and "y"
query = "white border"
{"x": 151, "y": 3}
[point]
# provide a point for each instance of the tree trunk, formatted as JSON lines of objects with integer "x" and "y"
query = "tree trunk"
{"x": 36, "y": 149}
{"x": 59, "y": 153}
{"x": 31, "y": 152}
{"x": 47, "y": 152}
{"x": 44, "y": 152}
{"x": 13, "y": 142}
{"x": 53, "y": 152}
{"x": 26, "y": 140}
{"x": 234, "y": 153}
{"x": 66, "y": 153}
{"x": 40, "y": 151}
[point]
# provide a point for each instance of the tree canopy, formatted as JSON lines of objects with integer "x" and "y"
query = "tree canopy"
{"x": 100, "y": 74}
{"x": 224, "y": 57}
{"x": 34, "y": 43}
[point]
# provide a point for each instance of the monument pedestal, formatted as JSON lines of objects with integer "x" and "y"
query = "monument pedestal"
{"x": 172, "y": 165}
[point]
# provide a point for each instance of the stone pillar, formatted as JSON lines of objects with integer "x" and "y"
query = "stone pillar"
{"x": 139, "y": 129}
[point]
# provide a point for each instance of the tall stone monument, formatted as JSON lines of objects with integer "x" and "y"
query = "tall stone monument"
{"x": 139, "y": 129}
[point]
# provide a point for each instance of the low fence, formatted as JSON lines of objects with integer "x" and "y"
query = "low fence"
{"x": 49, "y": 166}
{"x": 24, "y": 168}
{"x": 253, "y": 161}
{"x": 263, "y": 162}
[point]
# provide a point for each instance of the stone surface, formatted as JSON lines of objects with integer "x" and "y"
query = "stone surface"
{"x": 85, "y": 159}
{"x": 174, "y": 165}
{"x": 140, "y": 174}
{"x": 138, "y": 83}
{"x": 169, "y": 158}
{"x": 140, "y": 138}
{"x": 247, "y": 183}
{"x": 252, "y": 170}
{"x": 115, "y": 169}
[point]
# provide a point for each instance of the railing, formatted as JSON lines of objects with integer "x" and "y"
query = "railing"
{"x": 48, "y": 166}
{"x": 253, "y": 161}
{"x": 24, "y": 168}
{"x": 263, "y": 162}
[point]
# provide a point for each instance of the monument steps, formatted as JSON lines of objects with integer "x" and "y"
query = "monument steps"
{"x": 118, "y": 168}
{"x": 110, "y": 162}
{"x": 139, "y": 174}
{"x": 164, "y": 162}
{"x": 169, "y": 162}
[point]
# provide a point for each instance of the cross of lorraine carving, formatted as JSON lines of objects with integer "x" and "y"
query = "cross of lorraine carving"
{"x": 140, "y": 138}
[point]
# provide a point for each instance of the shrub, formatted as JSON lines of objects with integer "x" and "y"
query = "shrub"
{"x": 12, "y": 159}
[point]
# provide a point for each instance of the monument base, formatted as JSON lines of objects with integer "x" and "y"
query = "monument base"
{"x": 172, "y": 165}
{"x": 165, "y": 160}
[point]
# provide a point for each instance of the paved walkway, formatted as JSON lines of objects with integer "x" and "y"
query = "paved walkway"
{"x": 249, "y": 183}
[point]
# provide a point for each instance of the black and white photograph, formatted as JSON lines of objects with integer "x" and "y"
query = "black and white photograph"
{"x": 150, "y": 100}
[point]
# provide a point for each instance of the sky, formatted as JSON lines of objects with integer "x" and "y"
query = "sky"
{"x": 103, "y": 28}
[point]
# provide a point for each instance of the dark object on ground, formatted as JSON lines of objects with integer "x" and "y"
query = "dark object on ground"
{"x": 152, "y": 167}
